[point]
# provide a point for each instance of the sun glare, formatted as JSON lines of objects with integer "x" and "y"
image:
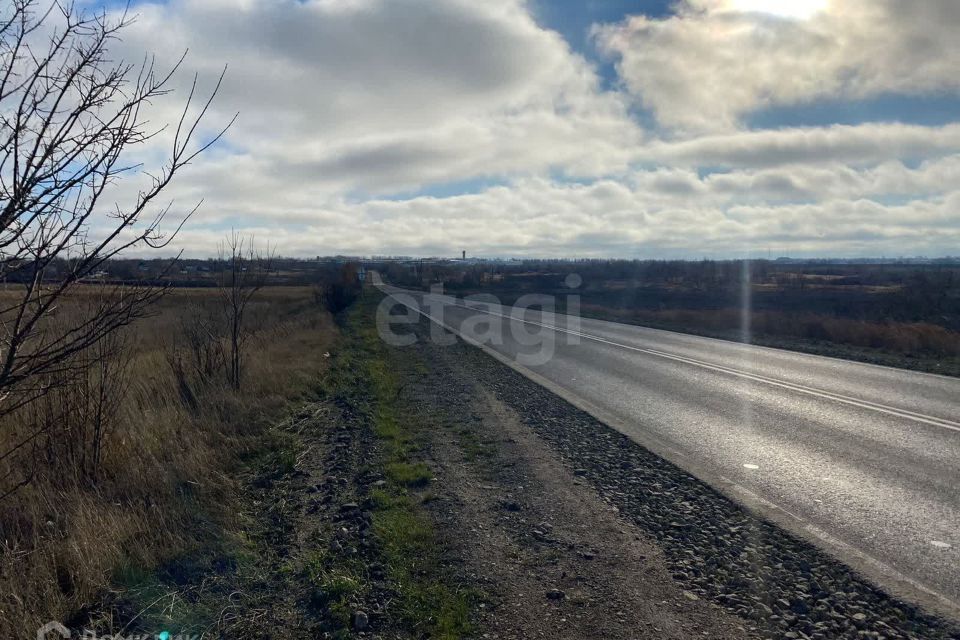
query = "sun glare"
{"x": 798, "y": 9}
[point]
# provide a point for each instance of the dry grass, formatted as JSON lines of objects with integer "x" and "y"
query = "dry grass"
{"x": 163, "y": 483}
{"x": 915, "y": 339}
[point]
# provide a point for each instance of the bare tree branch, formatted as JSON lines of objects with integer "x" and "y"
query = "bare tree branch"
{"x": 243, "y": 272}
{"x": 69, "y": 117}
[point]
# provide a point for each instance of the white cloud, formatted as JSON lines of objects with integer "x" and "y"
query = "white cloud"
{"x": 705, "y": 67}
{"x": 345, "y": 103}
{"x": 864, "y": 144}
{"x": 889, "y": 209}
{"x": 383, "y": 96}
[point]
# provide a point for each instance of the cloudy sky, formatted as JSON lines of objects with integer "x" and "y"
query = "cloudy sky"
{"x": 579, "y": 128}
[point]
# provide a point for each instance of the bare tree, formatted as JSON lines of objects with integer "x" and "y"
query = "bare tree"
{"x": 244, "y": 271}
{"x": 69, "y": 116}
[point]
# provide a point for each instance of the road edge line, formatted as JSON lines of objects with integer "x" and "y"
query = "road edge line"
{"x": 875, "y": 571}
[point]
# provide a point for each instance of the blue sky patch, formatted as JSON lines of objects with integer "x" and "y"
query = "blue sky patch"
{"x": 935, "y": 110}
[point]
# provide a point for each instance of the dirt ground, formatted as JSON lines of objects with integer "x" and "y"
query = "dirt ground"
{"x": 539, "y": 498}
{"x": 553, "y": 558}
{"x": 430, "y": 492}
{"x": 529, "y": 531}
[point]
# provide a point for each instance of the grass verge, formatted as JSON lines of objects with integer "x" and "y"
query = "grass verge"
{"x": 368, "y": 371}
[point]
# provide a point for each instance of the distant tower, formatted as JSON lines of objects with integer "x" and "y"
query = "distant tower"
{"x": 464, "y": 254}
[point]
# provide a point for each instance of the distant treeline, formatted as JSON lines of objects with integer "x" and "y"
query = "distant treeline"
{"x": 906, "y": 309}
{"x": 187, "y": 272}
{"x": 868, "y": 292}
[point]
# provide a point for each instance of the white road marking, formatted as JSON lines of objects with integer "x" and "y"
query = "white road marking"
{"x": 743, "y": 494}
{"x": 792, "y": 386}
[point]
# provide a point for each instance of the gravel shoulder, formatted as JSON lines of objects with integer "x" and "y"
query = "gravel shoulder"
{"x": 553, "y": 558}
{"x": 430, "y": 491}
{"x": 774, "y": 584}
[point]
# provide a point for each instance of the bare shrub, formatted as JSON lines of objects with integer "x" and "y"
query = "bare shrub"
{"x": 203, "y": 332}
{"x": 341, "y": 292}
{"x": 69, "y": 117}
{"x": 196, "y": 356}
{"x": 165, "y": 474}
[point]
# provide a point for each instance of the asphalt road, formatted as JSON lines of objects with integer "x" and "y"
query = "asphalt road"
{"x": 861, "y": 459}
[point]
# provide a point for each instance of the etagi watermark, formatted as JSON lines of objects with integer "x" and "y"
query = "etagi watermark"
{"x": 57, "y": 631}
{"x": 529, "y": 330}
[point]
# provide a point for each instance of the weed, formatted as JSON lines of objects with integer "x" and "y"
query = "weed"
{"x": 168, "y": 469}
{"x": 417, "y": 474}
{"x": 427, "y": 604}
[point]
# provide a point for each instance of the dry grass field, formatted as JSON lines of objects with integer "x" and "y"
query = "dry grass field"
{"x": 129, "y": 464}
{"x": 920, "y": 338}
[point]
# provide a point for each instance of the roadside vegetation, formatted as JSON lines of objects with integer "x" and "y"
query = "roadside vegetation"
{"x": 296, "y": 506}
{"x": 365, "y": 372}
{"x": 133, "y": 464}
{"x": 128, "y": 407}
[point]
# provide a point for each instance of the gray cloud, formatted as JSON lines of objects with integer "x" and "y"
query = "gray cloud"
{"x": 342, "y": 77}
{"x": 864, "y": 144}
{"x": 706, "y": 66}
{"x": 347, "y": 103}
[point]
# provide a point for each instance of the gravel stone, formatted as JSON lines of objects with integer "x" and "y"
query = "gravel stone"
{"x": 713, "y": 546}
